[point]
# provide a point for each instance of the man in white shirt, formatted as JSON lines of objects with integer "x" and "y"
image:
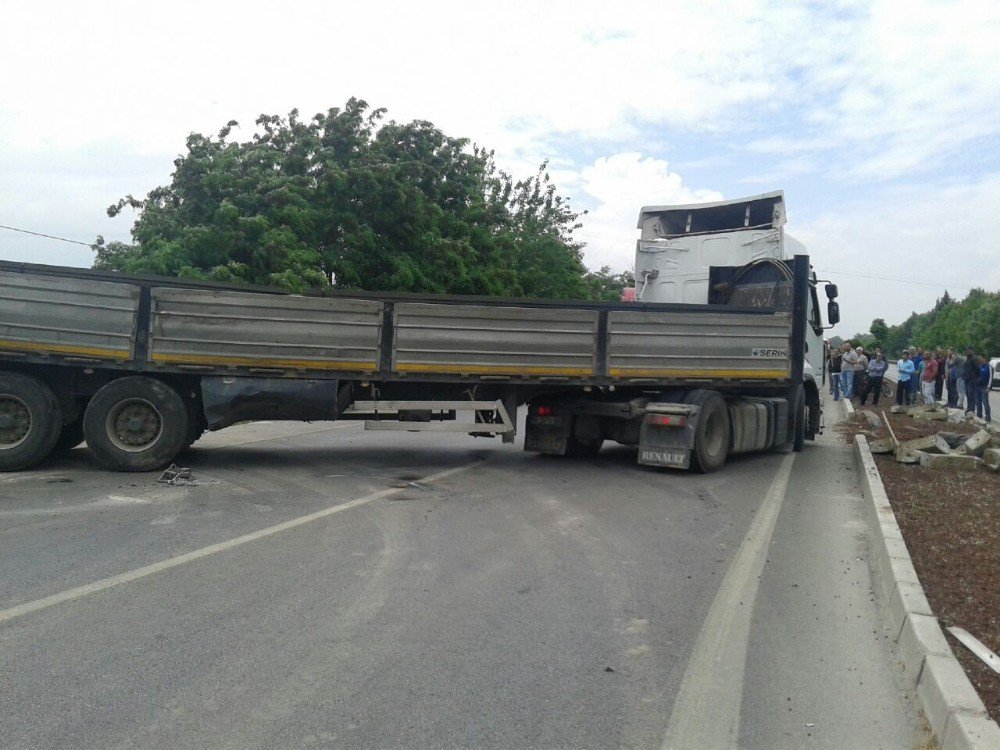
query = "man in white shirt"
{"x": 848, "y": 361}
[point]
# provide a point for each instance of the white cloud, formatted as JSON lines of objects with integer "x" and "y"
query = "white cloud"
{"x": 620, "y": 185}
{"x": 887, "y": 98}
{"x": 898, "y": 253}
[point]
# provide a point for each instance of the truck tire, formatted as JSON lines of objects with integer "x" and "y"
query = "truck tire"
{"x": 797, "y": 419}
{"x": 71, "y": 436}
{"x": 136, "y": 424}
{"x": 712, "y": 433}
{"x": 582, "y": 448}
{"x": 30, "y": 420}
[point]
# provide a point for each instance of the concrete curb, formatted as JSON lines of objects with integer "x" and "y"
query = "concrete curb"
{"x": 953, "y": 708}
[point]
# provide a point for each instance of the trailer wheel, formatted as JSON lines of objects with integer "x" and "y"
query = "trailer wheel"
{"x": 798, "y": 419}
{"x": 30, "y": 418}
{"x": 71, "y": 436}
{"x": 136, "y": 424}
{"x": 712, "y": 433}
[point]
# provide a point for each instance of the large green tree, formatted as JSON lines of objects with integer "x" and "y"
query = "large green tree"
{"x": 348, "y": 196}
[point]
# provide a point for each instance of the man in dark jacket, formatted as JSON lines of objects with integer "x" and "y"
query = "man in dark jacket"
{"x": 835, "y": 360}
{"x": 972, "y": 374}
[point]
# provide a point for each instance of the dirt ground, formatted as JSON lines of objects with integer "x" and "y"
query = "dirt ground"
{"x": 951, "y": 524}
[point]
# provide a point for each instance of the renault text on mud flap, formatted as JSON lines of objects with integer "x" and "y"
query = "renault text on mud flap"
{"x": 664, "y": 458}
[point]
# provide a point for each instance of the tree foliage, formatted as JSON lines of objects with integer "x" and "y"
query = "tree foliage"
{"x": 879, "y": 331}
{"x": 973, "y": 321}
{"x": 374, "y": 205}
{"x": 605, "y": 284}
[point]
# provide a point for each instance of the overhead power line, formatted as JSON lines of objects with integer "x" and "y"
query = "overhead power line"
{"x": 47, "y": 236}
{"x": 895, "y": 278}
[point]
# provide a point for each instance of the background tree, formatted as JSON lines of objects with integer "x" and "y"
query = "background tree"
{"x": 880, "y": 332}
{"x": 605, "y": 284}
{"x": 375, "y": 205}
{"x": 973, "y": 321}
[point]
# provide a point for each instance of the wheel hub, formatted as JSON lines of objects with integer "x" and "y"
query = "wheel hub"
{"x": 15, "y": 421}
{"x": 135, "y": 424}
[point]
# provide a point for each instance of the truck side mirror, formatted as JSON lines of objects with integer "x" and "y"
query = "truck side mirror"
{"x": 832, "y": 311}
{"x": 831, "y": 291}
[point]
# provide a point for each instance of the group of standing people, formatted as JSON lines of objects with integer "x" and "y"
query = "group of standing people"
{"x": 853, "y": 372}
{"x": 963, "y": 379}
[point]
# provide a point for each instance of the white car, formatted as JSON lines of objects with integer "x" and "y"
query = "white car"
{"x": 995, "y": 373}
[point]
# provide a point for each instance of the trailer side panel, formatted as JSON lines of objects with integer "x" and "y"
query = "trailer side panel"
{"x": 710, "y": 346}
{"x": 68, "y": 317}
{"x": 193, "y": 327}
{"x": 495, "y": 341}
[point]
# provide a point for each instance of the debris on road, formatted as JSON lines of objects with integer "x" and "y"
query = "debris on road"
{"x": 950, "y": 451}
{"x": 977, "y": 647}
{"x": 176, "y": 475}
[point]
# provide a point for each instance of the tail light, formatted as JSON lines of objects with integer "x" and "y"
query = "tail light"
{"x": 543, "y": 411}
{"x": 667, "y": 420}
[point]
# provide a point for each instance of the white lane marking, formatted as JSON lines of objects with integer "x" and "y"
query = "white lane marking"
{"x": 47, "y": 476}
{"x": 112, "y": 501}
{"x": 173, "y": 562}
{"x": 707, "y": 711}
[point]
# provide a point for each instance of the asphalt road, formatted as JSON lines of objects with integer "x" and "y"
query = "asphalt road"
{"x": 320, "y": 586}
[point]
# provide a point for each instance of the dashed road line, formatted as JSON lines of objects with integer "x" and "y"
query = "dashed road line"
{"x": 104, "y": 584}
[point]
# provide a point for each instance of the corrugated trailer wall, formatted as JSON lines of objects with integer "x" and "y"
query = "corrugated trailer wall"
{"x": 67, "y": 316}
{"x": 669, "y": 345}
{"x": 213, "y": 328}
{"x": 64, "y": 316}
{"x": 489, "y": 340}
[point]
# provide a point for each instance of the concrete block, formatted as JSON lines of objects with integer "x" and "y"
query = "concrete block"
{"x": 929, "y": 444}
{"x": 970, "y": 732}
{"x": 933, "y": 416}
{"x": 953, "y": 439}
{"x": 991, "y": 458}
{"x": 945, "y": 691}
{"x": 907, "y": 599}
{"x": 898, "y": 409}
{"x": 907, "y": 456}
{"x": 882, "y": 445}
{"x": 919, "y": 637}
{"x": 977, "y": 444}
{"x": 890, "y": 572}
{"x": 874, "y": 420}
{"x": 951, "y": 462}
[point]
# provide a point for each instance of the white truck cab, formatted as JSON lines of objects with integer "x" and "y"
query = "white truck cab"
{"x": 678, "y": 246}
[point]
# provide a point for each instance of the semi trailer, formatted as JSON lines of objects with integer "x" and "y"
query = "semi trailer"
{"x": 140, "y": 366}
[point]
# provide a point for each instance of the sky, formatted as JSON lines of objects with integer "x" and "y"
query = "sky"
{"x": 879, "y": 120}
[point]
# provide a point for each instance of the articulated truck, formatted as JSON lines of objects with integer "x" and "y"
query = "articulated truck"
{"x": 139, "y": 367}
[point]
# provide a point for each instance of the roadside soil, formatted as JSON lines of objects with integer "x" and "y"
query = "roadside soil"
{"x": 951, "y": 524}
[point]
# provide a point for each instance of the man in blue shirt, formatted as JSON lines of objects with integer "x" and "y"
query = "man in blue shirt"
{"x": 906, "y": 370}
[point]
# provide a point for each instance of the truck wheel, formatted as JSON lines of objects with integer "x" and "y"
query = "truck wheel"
{"x": 136, "y": 424}
{"x": 30, "y": 419}
{"x": 582, "y": 448}
{"x": 798, "y": 419}
{"x": 71, "y": 436}
{"x": 712, "y": 433}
